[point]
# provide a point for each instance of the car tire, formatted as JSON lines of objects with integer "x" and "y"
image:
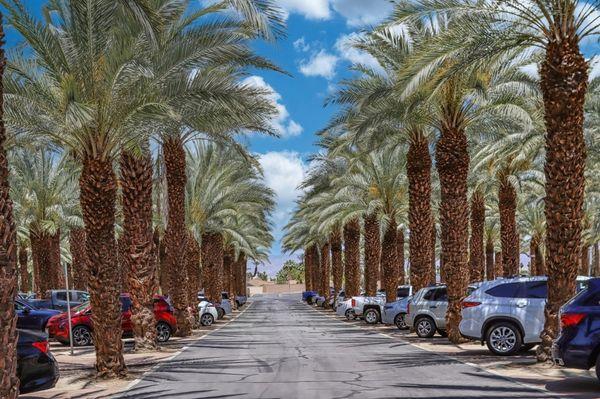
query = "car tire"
{"x": 82, "y": 336}
{"x": 207, "y": 319}
{"x": 400, "y": 321}
{"x": 220, "y": 313}
{"x": 503, "y": 339}
{"x": 371, "y": 316}
{"x": 349, "y": 314}
{"x": 527, "y": 347}
{"x": 425, "y": 327}
{"x": 163, "y": 331}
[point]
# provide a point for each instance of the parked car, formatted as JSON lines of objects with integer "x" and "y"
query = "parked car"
{"x": 208, "y": 313}
{"x": 507, "y": 314}
{"x": 345, "y": 309}
{"x": 395, "y": 313}
{"x": 368, "y": 307}
{"x": 335, "y": 301}
{"x": 37, "y": 369}
{"x": 307, "y": 295}
{"x": 57, "y": 299}
{"x": 30, "y": 318}
{"x": 223, "y": 307}
{"x": 426, "y": 310}
{"x": 81, "y": 321}
{"x": 578, "y": 345}
{"x": 241, "y": 300}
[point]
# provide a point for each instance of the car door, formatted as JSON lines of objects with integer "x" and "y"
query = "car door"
{"x": 441, "y": 307}
{"x": 536, "y": 293}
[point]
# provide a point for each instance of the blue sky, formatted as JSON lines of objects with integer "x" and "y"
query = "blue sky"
{"x": 317, "y": 54}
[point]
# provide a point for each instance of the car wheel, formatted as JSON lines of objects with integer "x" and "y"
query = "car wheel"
{"x": 349, "y": 314}
{"x": 82, "y": 336}
{"x": 220, "y": 313}
{"x": 207, "y": 319}
{"x": 527, "y": 347}
{"x": 371, "y": 316}
{"x": 425, "y": 327}
{"x": 163, "y": 331}
{"x": 503, "y": 339}
{"x": 400, "y": 321}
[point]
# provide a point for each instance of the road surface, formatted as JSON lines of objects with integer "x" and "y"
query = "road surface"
{"x": 280, "y": 348}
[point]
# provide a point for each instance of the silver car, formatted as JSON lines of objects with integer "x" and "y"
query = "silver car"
{"x": 345, "y": 309}
{"x": 395, "y": 313}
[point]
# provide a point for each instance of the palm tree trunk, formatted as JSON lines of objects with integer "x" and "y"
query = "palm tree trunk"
{"x": 25, "y": 285}
{"x": 596, "y": 261}
{"x": 243, "y": 273}
{"x": 352, "y": 257}
{"x": 476, "y": 254}
{"x": 584, "y": 261}
{"x": 372, "y": 253}
{"x": 507, "y": 204}
{"x": 163, "y": 272}
{"x": 192, "y": 265}
{"x": 337, "y": 267}
{"x": 433, "y": 271}
{"x": 9, "y": 383}
{"x": 420, "y": 218}
{"x": 489, "y": 260}
{"x": 499, "y": 269}
{"x": 308, "y": 273}
{"x": 400, "y": 254}
{"x": 540, "y": 266}
{"x": 228, "y": 263}
{"x": 316, "y": 269}
{"x": 57, "y": 275}
{"x": 326, "y": 271}
{"x": 79, "y": 259}
{"x": 563, "y": 80}
{"x": 389, "y": 261}
{"x": 211, "y": 249}
{"x": 138, "y": 253}
{"x": 98, "y": 188}
{"x": 532, "y": 261}
{"x": 175, "y": 235}
{"x": 452, "y": 161}
{"x": 41, "y": 248}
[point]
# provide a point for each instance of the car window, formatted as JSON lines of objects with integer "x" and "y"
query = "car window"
{"x": 429, "y": 295}
{"x": 508, "y": 290}
{"x": 61, "y": 296}
{"x": 403, "y": 292}
{"x": 441, "y": 294}
{"x": 592, "y": 300}
{"x": 83, "y": 297}
{"x": 225, "y": 295}
{"x": 125, "y": 303}
{"x": 537, "y": 289}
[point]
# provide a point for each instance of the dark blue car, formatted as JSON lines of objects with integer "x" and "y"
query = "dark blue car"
{"x": 30, "y": 318}
{"x": 578, "y": 345}
{"x": 307, "y": 296}
{"x": 36, "y": 367}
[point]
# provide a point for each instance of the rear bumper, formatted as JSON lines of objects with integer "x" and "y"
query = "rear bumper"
{"x": 571, "y": 356}
{"x": 38, "y": 373}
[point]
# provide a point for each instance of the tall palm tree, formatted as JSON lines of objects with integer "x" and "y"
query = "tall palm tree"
{"x": 476, "y": 250}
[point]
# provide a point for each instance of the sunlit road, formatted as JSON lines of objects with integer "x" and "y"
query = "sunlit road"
{"x": 280, "y": 348}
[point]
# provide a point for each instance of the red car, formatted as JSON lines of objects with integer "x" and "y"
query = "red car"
{"x": 81, "y": 320}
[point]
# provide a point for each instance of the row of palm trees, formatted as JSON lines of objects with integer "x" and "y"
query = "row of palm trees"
{"x": 123, "y": 119}
{"x": 454, "y": 140}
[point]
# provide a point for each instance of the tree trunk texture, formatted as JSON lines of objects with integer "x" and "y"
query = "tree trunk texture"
{"x": 308, "y": 273}
{"x": 421, "y": 242}
{"x": 25, "y": 285}
{"x": 9, "y": 383}
{"x": 476, "y": 251}
{"x": 400, "y": 254}
{"x": 372, "y": 253}
{"x": 507, "y": 204}
{"x": 499, "y": 269}
{"x": 489, "y": 260}
{"x": 433, "y": 271}
{"x": 326, "y": 271}
{"x": 211, "y": 249}
{"x": 55, "y": 262}
{"x": 389, "y": 262}
{"x": 192, "y": 265}
{"x": 43, "y": 253}
{"x": 163, "y": 272}
{"x": 563, "y": 80}
{"x": 79, "y": 258}
{"x": 352, "y": 258}
{"x": 176, "y": 233}
{"x": 452, "y": 161}
{"x": 584, "y": 261}
{"x": 98, "y": 189}
{"x": 243, "y": 273}
{"x": 540, "y": 266}
{"x": 316, "y": 269}
{"x": 228, "y": 262}
{"x": 121, "y": 269}
{"x": 596, "y": 261}
{"x": 532, "y": 261}
{"x": 337, "y": 267}
{"x": 138, "y": 255}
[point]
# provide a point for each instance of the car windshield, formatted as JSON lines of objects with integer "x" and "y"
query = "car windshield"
{"x": 403, "y": 292}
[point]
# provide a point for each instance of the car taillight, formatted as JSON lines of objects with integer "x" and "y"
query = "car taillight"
{"x": 353, "y": 303}
{"x": 469, "y": 304}
{"x": 42, "y": 346}
{"x": 571, "y": 319}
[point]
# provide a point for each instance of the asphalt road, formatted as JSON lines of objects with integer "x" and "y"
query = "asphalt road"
{"x": 280, "y": 348}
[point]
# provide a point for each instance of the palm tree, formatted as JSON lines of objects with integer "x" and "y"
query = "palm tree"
{"x": 487, "y": 31}
{"x": 491, "y": 235}
{"x": 24, "y": 281}
{"x": 476, "y": 251}
{"x": 9, "y": 383}
{"x": 79, "y": 258}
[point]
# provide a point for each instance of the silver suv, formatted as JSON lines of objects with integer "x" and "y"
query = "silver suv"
{"x": 426, "y": 311}
{"x": 507, "y": 314}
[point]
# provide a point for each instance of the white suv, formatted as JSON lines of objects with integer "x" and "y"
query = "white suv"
{"x": 507, "y": 314}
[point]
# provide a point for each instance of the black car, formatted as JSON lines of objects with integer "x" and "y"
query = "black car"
{"x": 30, "y": 318}
{"x": 36, "y": 367}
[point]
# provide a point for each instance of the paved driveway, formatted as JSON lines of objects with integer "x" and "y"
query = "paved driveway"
{"x": 280, "y": 348}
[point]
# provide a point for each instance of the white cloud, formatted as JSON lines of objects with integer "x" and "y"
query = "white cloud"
{"x": 282, "y": 123}
{"x": 301, "y": 45}
{"x": 311, "y": 9}
{"x": 363, "y": 12}
{"x": 344, "y": 45}
{"x": 320, "y": 64}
